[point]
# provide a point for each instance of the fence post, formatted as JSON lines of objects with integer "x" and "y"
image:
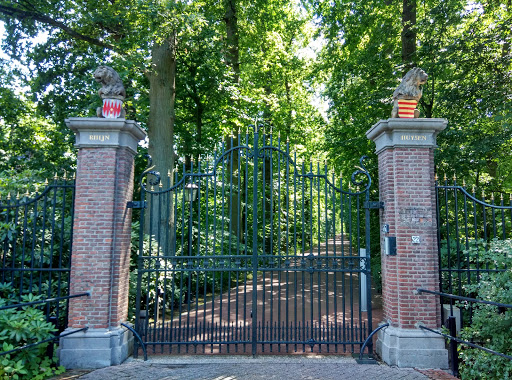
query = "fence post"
{"x": 101, "y": 244}
{"x": 405, "y": 149}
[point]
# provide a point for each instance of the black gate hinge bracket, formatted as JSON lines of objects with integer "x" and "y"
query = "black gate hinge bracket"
{"x": 373, "y": 205}
{"x": 136, "y": 204}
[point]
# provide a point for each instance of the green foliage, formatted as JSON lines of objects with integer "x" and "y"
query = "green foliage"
{"x": 21, "y": 327}
{"x": 490, "y": 327}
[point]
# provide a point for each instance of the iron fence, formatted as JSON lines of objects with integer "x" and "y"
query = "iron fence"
{"x": 465, "y": 225}
{"x": 252, "y": 251}
{"x": 35, "y": 245}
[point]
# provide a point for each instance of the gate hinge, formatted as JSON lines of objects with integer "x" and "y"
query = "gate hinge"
{"x": 136, "y": 204}
{"x": 373, "y": 205}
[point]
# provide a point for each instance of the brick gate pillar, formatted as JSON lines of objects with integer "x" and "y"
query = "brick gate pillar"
{"x": 101, "y": 242}
{"x": 405, "y": 148}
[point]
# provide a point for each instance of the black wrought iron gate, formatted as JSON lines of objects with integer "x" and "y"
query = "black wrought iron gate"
{"x": 250, "y": 251}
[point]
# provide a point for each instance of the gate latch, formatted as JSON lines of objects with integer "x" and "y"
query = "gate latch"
{"x": 136, "y": 204}
{"x": 373, "y": 205}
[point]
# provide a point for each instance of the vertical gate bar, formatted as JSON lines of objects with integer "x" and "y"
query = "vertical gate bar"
{"x": 188, "y": 265}
{"x": 255, "y": 240}
{"x": 246, "y": 231}
{"x": 369, "y": 312}
{"x": 484, "y": 223}
{"x": 311, "y": 243}
{"x": 448, "y": 246}
{"x": 466, "y": 243}
{"x": 438, "y": 221}
{"x": 303, "y": 253}
{"x": 493, "y": 216}
{"x": 319, "y": 236}
{"x": 326, "y": 177}
{"x": 197, "y": 260}
{"x": 475, "y": 220}
{"x": 33, "y": 246}
{"x": 174, "y": 233}
{"x": 358, "y": 266}
{"x": 61, "y": 249}
{"x": 223, "y": 203}
{"x": 183, "y": 253}
{"x": 230, "y": 249}
{"x": 157, "y": 278}
{"x": 503, "y": 225}
{"x": 206, "y": 244}
{"x": 166, "y": 262}
{"x": 140, "y": 264}
{"x": 14, "y": 254}
{"x": 287, "y": 258}
{"x": 335, "y": 268}
{"x": 214, "y": 244}
{"x": 23, "y": 251}
{"x": 264, "y": 240}
{"x": 344, "y": 198}
{"x": 52, "y": 243}
{"x": 295, "y": 256}
{"x": 457, "y": 236}
{"x": 239, "y": 222}
{"x": 271, "y": 253}
{"x": 351, "y": 269}
{"x": 279, "y": 253}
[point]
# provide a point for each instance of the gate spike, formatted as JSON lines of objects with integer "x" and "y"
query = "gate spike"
{"x": 445, "y": 177}
{"x": 435, "y": 177}
{"x": 46, "y": 182}
{"x": 454, "y": 177}
{"x": 473, "y": 190}
{"x": 9, "y": 196}
{"x": 27, "y": 194}
{"x": 483, "y": 194}
{"x": 464, "y": 183}
{"x": 492, "y": 196}
{"x": 65, "y": 175}
{"x": 55, "y": 178}
{"x": 501, "y": 198}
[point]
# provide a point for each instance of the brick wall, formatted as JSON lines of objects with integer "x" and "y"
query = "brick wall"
{"x": 101, "y": 243}
{"x": 406, "y": 185}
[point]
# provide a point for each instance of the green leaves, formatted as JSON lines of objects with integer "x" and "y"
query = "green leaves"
{"x": 20, "y": 327}
{"x": 490, "y": 327}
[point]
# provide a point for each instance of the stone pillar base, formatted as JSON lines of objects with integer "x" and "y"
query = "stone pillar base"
{"x": 95, "y": 348}
{"x": 412, "y": 348}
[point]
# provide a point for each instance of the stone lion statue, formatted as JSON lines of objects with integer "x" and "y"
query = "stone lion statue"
{"x": 111, "y": 86}
{"x": 410, "y": 89}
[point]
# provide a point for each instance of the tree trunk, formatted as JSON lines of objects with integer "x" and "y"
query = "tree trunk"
{"x": 161, "y": 133}
{"x": 408, "y": 34}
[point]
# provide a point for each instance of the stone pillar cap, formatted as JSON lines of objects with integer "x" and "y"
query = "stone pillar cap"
{"x": 96, "y": 132}
{"x": 396, "y": 132}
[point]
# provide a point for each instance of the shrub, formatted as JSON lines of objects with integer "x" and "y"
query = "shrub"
{"x": 20, "y": 327}
{"x": 491, "y": 327}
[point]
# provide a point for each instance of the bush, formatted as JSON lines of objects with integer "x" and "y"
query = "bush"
{"x": 491, "y": 327}
{"x": 20, "y": 327}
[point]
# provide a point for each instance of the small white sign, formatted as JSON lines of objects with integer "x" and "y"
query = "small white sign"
{"x": 415, "y": 240}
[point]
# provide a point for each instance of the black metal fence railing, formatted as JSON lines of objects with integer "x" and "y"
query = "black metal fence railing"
{"x": 35, "y": 245}
{"x": 452, "y": 327}
{"x": 465, "y": 225}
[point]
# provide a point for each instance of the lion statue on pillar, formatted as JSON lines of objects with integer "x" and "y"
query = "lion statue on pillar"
{"x": 409, "y": 89}
{"x": 111, "y": 88}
